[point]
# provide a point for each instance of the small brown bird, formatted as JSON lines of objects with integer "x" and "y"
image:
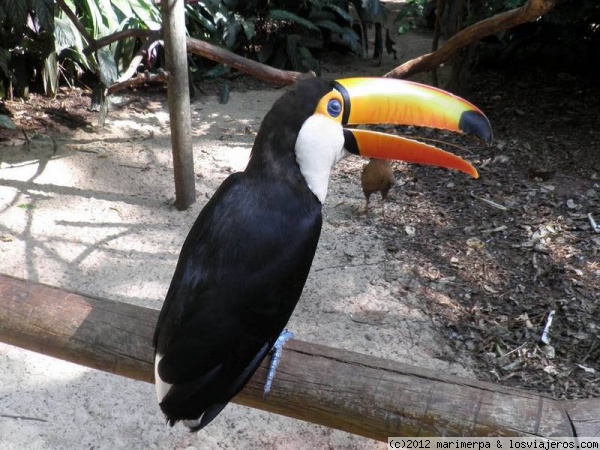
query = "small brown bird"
{"x": 377, "y": 175}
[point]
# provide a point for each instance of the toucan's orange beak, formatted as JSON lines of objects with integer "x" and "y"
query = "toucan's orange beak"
{"x": 391, "y": 101}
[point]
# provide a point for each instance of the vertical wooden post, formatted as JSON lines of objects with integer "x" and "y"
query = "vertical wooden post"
{"x": 173, "y": 15}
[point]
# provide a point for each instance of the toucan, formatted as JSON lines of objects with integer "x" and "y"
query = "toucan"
{"x": 244, "y": 263}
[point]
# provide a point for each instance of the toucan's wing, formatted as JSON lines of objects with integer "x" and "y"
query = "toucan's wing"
{"x": 240, "y": 274}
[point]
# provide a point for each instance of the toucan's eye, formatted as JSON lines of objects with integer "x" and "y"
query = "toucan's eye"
{"x": 334, "y": 107}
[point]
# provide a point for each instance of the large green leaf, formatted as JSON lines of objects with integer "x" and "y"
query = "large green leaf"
{"x": 231, "y": 33}
{"x": 107, "y": 67}
{"x": 249, "y": 28}
{"x": 5, "y": 122}
{"x": 195, "y": 15}
{"x": 329, "y": 25}
{"x": 308, "y": 60}
{"x": 125, "y": 48}
{"x": 280, "y": 14}
{"x": 353, "y": 41}
{"x": 92, "y": 12}
{"x": 44, "y": 11}
{"x": 64, "y": 34}
{"x": 109, "y": 16}
{"x": 16, "y": 11}
{"x": 343, "y": 13}
{"x": 76, "y": 56}
{"x": 5, "y": 62}
{"x": 124, "y": 7}
{"x": 147, "y": 12}
{"x": 50, "y": 75}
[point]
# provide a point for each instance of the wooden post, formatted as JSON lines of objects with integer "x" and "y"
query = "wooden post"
{"x": 369, "y": 396}
{"x": 173, "y": 15}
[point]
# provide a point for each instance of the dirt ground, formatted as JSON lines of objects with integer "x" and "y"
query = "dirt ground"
{"x": 460, "y": 276}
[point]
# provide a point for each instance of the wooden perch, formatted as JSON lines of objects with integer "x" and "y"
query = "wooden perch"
{"x": 369, "y": 396}
{"x": 503, "y": 21}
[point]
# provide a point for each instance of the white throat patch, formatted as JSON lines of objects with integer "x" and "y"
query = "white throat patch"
{"x": 320, "y": 144}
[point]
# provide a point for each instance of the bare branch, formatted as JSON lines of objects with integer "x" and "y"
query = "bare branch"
{"x": 254, "y": 68}
{"x": 509, "y": 19}
{"x": 146, "y": 77}
{"x": 153, "y": 35}
{"x": 135, "y": 61}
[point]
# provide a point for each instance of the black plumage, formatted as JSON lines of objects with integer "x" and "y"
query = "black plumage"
{"x": 241, "y": 270}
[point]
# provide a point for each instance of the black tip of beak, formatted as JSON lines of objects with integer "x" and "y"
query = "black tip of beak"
{"x": 476, "y": 124}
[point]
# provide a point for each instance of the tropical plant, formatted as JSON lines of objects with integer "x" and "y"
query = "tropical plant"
{"x": 102, "y": 18}
{"x": 282, "y": 33}
{"x": 50, "y": 40}
{"x": 26, "y": 30}
{"x": 412, "y": 15}
{"x": 40, "y": 42}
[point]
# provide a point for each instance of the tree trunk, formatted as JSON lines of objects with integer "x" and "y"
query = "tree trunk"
{"x": 173, "y": 14}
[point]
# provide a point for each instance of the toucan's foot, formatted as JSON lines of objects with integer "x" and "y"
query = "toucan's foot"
{"x": 275, "y": 357}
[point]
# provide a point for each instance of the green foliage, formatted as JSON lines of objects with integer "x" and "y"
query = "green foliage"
{"x": 411, "y": 16}
{"x": 26, "y": 28}
{"x": 102, "y": 18}
{"x": 286, "y": 34}
{"x": 38, "y": 40}
{"x": 4, "y": 62}
{"x": 5, "y": 122}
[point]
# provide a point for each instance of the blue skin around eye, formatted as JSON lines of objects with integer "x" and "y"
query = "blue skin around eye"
{"x": 334, "y": 108}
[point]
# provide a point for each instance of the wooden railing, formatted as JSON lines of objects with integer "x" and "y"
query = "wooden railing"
{"x": 364, "y": 395}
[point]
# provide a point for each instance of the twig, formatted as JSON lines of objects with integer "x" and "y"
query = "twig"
{"x": 9, "y": 416}
{"x": 514, "y": 350}
{"x": 490, "y": 202}
{"x": 26, "y": 137}
{"x": 344, "y": 266}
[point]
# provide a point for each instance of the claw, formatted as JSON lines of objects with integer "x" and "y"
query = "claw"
{"x": 275, "y": 357}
